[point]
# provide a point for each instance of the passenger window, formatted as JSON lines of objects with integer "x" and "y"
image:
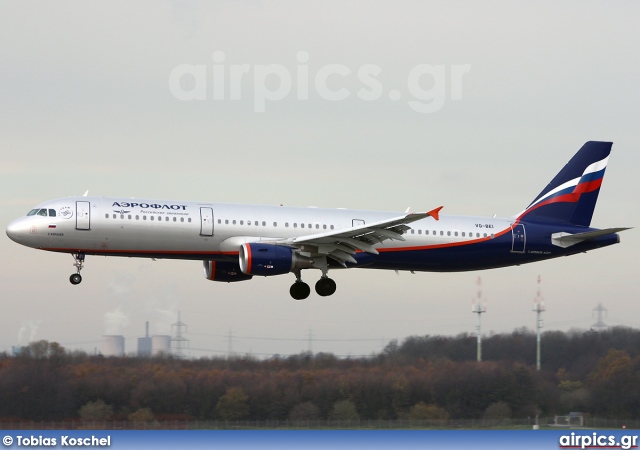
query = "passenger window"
{"x": 456, "y": 233}
{"x": 286, "y": 224}
{"x": 106, "y": 216}
{"x": 463, "y": 234}
{"x": 426, "y": 231}
{"x": 226, "y": 221}
{"x": 129, "y": 217}
{"x": 419, "y": 231}
{"x": 181, "y": 219}
{"x": 159, "y": 219}
{"x": 121, "y": 216}
{"x": 448, "y": 233}
{"x": 332, "y": 227}
{"x": 301, "y": 225}
{"x": 144, "y": 217}
{"x": 441, "y": 233}
{"x": 174, "y": 218}
{"x": 189, "y": 220}
{"x": 324, "y": 227}
{"x": 264, "y": 224}
{"x": 317, "y": 226}
{"x": 234, "y": 222}
{"x": 275, "y": 224}
{"x": 295, "y": 225}
{"x": 52, "y": 213}
{"x": 137, "y": 217}
{"x": 412, "y": 231}
{"x": 219, "y": 221}
{"x": 485, "y": 234}
{"x": 166, "y": 219}
{"x": 242, "y": 222}
{"x": 114, "y": 216}
{"x": 150, "y": 217}
{"x": 309, "y": 225}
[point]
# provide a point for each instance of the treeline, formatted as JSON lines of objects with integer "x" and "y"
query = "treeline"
{"x": 430, "y": 377}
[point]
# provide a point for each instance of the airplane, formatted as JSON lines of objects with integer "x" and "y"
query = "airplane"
{"x": 236, "y": 241}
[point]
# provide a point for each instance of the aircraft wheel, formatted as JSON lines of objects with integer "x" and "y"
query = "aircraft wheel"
{"x": 325, "y": 287}
{"x": 75, "y": 278}
{"x": 300, "y": 290}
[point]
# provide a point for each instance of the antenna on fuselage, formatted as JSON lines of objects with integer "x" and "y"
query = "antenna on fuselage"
{"x": 86, "y": 193}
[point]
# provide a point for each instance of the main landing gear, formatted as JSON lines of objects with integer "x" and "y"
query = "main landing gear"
{"x": 76, "y": 278}
{"x": 301, "y": 290}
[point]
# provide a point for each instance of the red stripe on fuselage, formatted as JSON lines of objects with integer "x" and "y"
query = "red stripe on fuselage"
{"x": 449, "y": 244}
{"x": 95, "y": 251}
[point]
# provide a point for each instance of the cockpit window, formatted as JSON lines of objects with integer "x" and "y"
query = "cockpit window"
{"x": 42, "y": 212}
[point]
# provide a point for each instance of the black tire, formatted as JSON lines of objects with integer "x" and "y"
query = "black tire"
{"x": 325, "y": 287}
{"x": 299, "y": 290}
{"x": 76, "y": 278}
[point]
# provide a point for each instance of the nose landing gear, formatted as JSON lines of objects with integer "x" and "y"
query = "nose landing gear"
{"x": 76, "y": 278}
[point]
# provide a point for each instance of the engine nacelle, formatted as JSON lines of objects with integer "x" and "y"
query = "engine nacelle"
{"x": 224, "y": 271}
{"x": 268, "y": 259}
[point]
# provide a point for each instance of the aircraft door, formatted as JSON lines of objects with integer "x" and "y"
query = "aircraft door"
{"x": 83, "y": 216}
{"x": 206, "y": 221}
{"x": 518, "y": 238}
{"x": 357, "y": 222}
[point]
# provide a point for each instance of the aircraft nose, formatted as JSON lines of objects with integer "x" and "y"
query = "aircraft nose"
{"x": 15, "y": 230}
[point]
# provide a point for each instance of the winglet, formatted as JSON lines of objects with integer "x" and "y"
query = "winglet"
{"x": 435, "y": 213}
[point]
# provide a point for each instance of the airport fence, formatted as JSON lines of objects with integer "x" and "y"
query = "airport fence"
{"x": 501, "y": 424}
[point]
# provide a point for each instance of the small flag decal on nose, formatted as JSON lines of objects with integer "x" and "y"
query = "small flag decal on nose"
{"x": 52, "y": 226}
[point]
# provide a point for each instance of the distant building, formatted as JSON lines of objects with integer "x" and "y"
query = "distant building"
{"x": 145, "y": 344}
{"x": 113, "y": 345}
{"x": 160, "y": 345}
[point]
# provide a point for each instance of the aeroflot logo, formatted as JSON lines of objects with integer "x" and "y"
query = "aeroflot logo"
{"x": 148, "y": 205}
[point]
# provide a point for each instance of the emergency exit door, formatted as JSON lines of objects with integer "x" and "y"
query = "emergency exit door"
{"x": 518, "y": 238}
{"x": 206, "y": 221}
{"x": 83, "y": 216}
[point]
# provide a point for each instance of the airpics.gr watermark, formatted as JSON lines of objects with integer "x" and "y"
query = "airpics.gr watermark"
{"x": 331, "y": 82}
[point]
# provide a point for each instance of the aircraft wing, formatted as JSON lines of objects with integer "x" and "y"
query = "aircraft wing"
{"x": 341, "y": 245}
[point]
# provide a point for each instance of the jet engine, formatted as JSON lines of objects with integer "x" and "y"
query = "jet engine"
{"x": 224, "y": 271}
{"x": 268, "y": 259}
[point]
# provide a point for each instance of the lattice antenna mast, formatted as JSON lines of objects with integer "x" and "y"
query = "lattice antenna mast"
{"x": 601, "y": 313}
{"x": 479, "y": 306}
{"x": 538, "y": 308}
{"x": 178, "y": 341}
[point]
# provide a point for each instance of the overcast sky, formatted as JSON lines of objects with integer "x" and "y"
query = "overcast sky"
{"x": 89, "y": 100}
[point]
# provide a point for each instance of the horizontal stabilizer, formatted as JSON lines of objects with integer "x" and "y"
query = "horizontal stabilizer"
{"x": 565, "y": 240}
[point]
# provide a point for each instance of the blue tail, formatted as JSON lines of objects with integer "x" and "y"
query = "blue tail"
{"x": 571, "y": 196}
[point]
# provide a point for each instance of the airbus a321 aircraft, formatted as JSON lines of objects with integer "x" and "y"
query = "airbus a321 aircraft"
{"x": 236, "y": 241}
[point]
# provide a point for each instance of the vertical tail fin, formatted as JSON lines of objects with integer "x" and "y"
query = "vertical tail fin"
{"x": 571, "y": 196}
